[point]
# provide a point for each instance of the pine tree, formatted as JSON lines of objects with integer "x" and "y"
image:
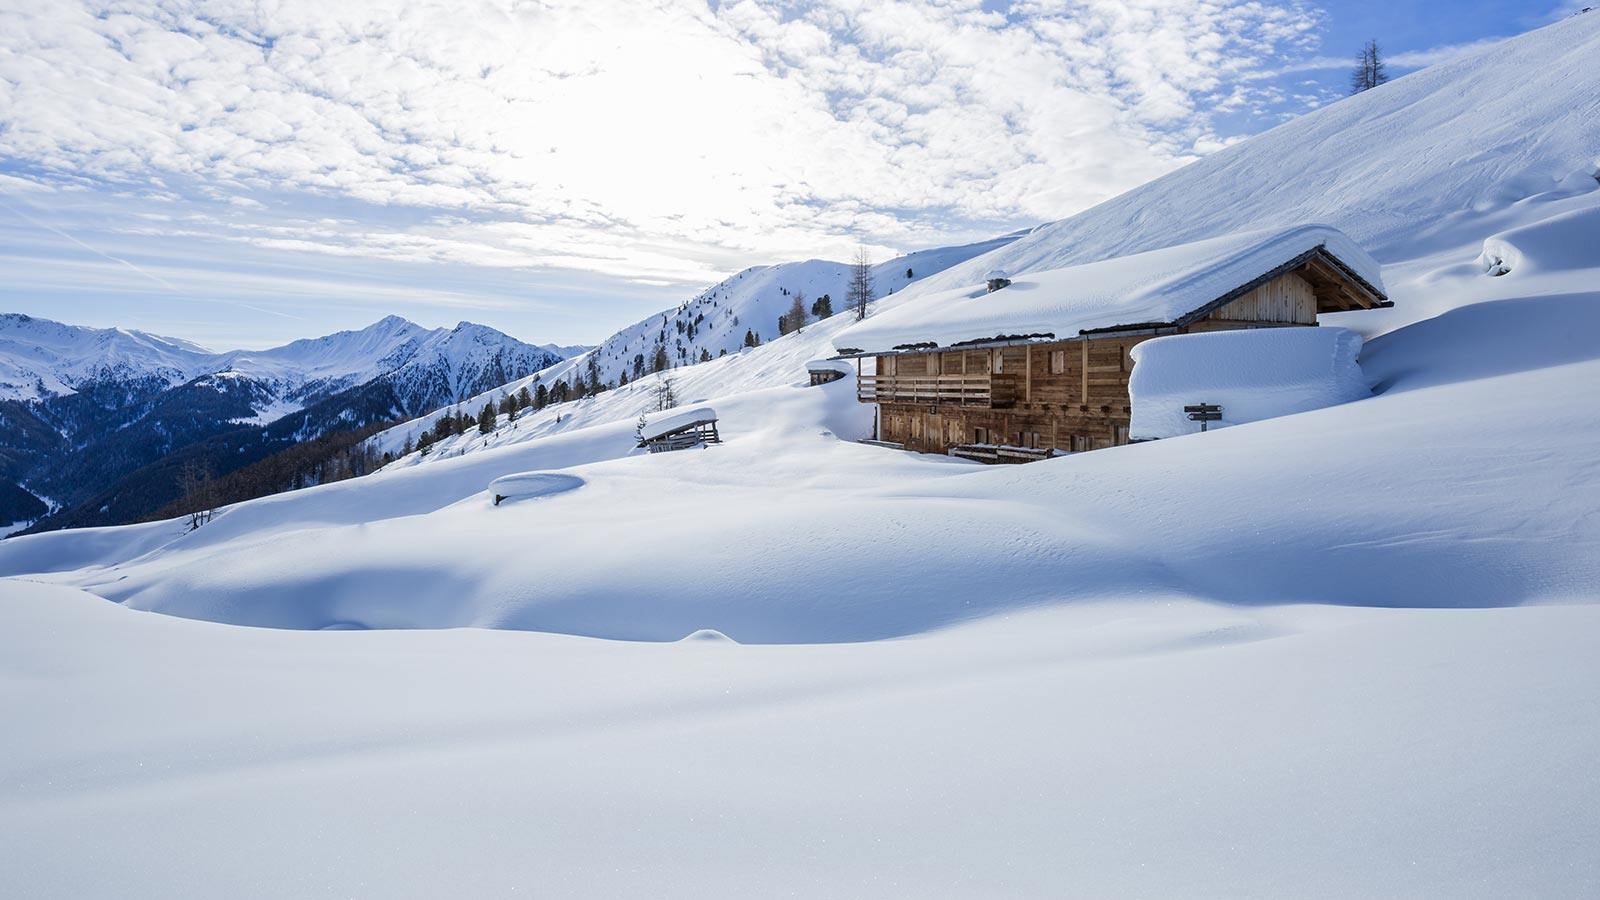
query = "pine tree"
{"x": 541, "y": 397}
{"x": 860, "y": 293}
{"x": 486, "y": 419}
{"x": 1370, "y": 70}
{"x": 524, "y": 399}
{"x": 823, "y": 307}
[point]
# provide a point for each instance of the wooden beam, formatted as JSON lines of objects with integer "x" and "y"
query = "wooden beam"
{"x": 1084, "y": 397}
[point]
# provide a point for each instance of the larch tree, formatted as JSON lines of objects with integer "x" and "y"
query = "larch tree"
{"x": 795, "y": 318}
{"x": 860, "y": 293}
{"x": 666, "y": 398}
{"x": 1370, "y": 70}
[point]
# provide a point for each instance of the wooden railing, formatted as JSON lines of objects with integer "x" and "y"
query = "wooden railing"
{"x": 960, "y": 390}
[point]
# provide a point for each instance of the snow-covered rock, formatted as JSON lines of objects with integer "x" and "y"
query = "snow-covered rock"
{"x": 1252, "y": 374}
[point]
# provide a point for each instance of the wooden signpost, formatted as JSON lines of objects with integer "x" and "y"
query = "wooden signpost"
{"x": 1203, "y": 413}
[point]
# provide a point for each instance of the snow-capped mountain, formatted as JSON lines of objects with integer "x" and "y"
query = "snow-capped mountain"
{"x": 87, "y": 407}
{"x": 40, "y": 358}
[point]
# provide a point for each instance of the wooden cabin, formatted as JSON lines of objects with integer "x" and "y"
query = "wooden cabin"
{"x": 1061, "y": 384}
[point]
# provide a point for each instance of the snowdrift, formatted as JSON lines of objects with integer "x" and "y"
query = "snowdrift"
{"x": 1253, "y": 375}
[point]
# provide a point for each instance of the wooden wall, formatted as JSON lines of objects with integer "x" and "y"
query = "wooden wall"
{"x": 1285, "y": 300}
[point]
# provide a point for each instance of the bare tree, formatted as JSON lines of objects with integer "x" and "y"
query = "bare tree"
{"x": 860, "y": 293}
{"x": 795, "y": 318}
{"x": 199, "y": 492}
{"x": 665, "y": 398}
{"x": 1370, "y": 70}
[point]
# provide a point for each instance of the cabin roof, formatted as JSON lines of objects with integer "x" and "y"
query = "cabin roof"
{"x": 1157, "y": 289}
{"x": 829, "y": 365}
{"x": 676, "y": 421}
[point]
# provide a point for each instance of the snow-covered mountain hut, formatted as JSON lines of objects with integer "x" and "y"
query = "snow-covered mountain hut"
{"x": 680, "y": 430}
{"x": 825, "y": 371}
{"x": 1040, "y": 364}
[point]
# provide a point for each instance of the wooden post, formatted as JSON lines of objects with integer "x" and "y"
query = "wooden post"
{"x": 1027, "y": 374}
{"x": 1085, "y": 372}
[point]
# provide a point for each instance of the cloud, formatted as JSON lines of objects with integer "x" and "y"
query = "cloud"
{"x": 664, "y": 141}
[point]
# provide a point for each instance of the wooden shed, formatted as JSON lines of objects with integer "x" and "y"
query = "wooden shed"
{"x": 680, "y": 430}
{"x": 1040, "y": 366}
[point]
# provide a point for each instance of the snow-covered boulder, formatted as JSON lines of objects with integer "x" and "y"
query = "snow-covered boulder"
{"x": 1252, "y": 374}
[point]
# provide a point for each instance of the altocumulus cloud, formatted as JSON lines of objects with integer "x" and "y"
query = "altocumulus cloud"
{"x": 661, "y": 141}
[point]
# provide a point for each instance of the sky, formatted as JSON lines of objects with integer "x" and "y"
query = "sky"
{"x": 241, "y": 173}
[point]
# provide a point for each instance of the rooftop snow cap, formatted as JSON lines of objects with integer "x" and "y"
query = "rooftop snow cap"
{"x": 1145, "y": 290}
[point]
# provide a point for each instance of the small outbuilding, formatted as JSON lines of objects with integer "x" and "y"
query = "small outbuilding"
{"x": 680, "y": 430}
{"x": 823, "y": 371}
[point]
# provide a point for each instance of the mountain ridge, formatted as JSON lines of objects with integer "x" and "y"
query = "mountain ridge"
{"x": 86, "y": 408}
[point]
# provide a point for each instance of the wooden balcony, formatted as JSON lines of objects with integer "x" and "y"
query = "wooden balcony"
{"x": 991, "y": 391}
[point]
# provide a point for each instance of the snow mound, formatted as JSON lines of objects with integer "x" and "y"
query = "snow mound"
{"x": 530, "y": 485}
{"x": 707, "y": 636}
{"x": 1569, "y": 240}
{"x": 1253, "y": 375}
{"x": 1155, "y": 287}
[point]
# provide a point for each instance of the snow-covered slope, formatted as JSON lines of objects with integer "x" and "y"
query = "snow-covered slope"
{"x": 715, "y": 322}
{"x": 1153, "y": 747}
{"x": 1416, "y": 166}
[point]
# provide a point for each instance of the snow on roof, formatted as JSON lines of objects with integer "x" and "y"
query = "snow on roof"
{"x": 1253, "y": 374}
{"x": 1157, "y": 286}
{"x": 676, "y": 419}
{"x": 830, "y": 365}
